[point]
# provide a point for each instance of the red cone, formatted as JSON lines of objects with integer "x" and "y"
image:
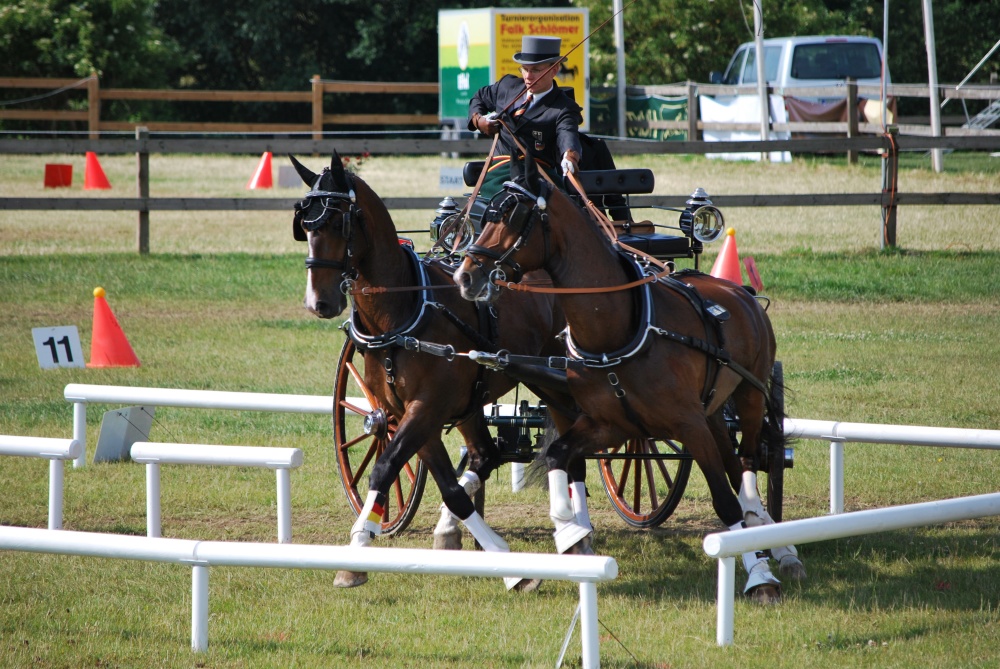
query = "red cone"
{"x": 93, "y": 175}
{"x": 108, "y": 346}
{"x": 262, "y": 178}
{"x": 727, "y": 264}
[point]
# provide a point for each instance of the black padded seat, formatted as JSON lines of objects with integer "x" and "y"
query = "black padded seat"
{"x": 662, "y": 247}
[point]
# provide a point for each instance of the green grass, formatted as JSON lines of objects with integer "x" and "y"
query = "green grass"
{"x": 902, "y": 337}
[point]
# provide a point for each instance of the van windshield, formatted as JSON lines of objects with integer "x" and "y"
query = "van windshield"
{"x": 772, "y": 54}
{"x": 836, "y": 60}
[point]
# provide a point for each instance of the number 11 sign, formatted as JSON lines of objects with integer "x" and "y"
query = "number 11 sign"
{"x": 58, "y": 347}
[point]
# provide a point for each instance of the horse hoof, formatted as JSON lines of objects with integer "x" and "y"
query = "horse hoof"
{"x": 766, "y": 593}
{"x": 350, "y": 579}
{"x": 451, "y": 541}
{"x": 527, "y": 585}
{"x": 791, "y": 568}
{"x": 584, "y": 546}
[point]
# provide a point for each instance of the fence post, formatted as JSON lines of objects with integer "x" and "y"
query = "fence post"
{"x": 890, "y": 186}
{"x": 692, "y": 92}
{"x": 317, "y": 107}
{"x": 852, "y": 118}
{"x": 94, "y": 106}
{"x": 142, "y": 186}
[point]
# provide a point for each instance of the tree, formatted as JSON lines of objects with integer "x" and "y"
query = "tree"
{"x": 60, "y": 38}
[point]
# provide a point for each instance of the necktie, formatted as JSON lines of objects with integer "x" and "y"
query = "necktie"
{"x": 523, "y": 108}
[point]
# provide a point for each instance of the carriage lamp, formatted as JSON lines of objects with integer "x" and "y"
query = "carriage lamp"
{"x": 446, "y": 208}
{"x": 702, "y": 220}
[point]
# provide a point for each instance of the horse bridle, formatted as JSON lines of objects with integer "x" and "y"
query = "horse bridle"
{"x": 330, "y": 202}
{"x": 513, "y": 212}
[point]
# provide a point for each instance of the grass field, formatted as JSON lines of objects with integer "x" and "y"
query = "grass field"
{"x": 904, "y": 337}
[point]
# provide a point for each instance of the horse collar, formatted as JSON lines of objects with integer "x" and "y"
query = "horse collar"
{"x": 365, "y": 340}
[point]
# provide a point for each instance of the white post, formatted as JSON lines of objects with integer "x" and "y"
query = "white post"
{"x": 726, "y": 602}
{"x": 620, "y": 83}
{"x": 80, "y": 431}
{"x": 284, "y": 506}
{"x": 836, "y": 477}
{"x": 589, "y": 639}
{"x": 55, "y": 494}
{"x": 937, "y": 155}
{"x": 758, "y": 37}
{"x": 199, "y": 608}
{"x": 153, "y": 524}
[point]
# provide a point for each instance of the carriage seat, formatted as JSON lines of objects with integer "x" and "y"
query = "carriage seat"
{"x": 594, "y": 182}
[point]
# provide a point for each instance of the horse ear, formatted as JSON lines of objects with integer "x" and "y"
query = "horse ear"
{"x": 530, "y": 173}
{"x": 337, "y": 168}
{"x": 307, "y": 175}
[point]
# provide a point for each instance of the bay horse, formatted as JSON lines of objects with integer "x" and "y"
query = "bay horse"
{"x": 659, "y": 360}
{"x": 399, "y": 301}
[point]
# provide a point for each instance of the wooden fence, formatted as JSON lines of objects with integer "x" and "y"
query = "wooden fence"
{"x": 313, "y": 97}
{"x": 888, "y": 198}
{"x": 322, "y": 116}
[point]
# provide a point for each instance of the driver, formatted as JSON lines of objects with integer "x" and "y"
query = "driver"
{"x": 545, "y": 119}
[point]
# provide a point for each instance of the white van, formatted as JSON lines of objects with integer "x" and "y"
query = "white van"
{"x": 818, "y": 60}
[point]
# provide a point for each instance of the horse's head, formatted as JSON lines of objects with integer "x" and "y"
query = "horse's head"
{"x": 515, "y": 238}
{"x": 328, "y": 220}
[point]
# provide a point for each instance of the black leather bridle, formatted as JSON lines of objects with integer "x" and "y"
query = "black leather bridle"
{"x": 518, "y": 209}
{"x": 321, "y": 205}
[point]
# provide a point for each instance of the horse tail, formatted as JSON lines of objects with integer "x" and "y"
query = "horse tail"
{"x": 773, "y": 432}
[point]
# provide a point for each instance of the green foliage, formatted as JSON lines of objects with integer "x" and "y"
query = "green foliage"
{"x": 117, "y": 39}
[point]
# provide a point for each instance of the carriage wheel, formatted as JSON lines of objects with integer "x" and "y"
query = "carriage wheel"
{"x": 645, "y": 492}
{"x": 362, "y": 429}
{"x": 776, "y": 448}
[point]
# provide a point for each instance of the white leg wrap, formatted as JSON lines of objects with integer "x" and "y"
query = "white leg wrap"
{"x": 782, "y": 552}
{"x": 487, "y": 538}
{"x": 568, "y": 531}
{"x": 578, "y": 495}
{"x": 470, "y": 481}
{"x": 753, "y": 508}
{"x": 370, "y": 519}
{"x": 490, "y": 541}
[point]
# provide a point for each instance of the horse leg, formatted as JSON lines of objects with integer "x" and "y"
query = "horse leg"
{"x": 754, "y": 513}
{"x": 569, "y": 530}
{"x": 578, "y": 496}
{"x": 478, "y": 444}
{"x": 708, "y": 451}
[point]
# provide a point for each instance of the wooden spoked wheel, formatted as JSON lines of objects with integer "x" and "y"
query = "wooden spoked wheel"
{"x": 644, "y": 488}
{"x": 362, "y": 430}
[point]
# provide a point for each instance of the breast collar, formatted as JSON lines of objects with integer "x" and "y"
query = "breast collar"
{"x": 394, "y": 337}
{"x": 639, "y": 341}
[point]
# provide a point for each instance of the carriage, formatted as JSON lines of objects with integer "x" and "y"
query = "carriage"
{"x": 644, "y": 479}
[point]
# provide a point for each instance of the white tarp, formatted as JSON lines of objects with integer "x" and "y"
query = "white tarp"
{"x": 742, "y": 109}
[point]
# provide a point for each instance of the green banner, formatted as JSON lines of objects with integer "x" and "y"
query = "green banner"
{"x": 604, "y": 115}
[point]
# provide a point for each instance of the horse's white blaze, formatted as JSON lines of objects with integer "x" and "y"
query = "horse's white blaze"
{"x": 310, "y": 302}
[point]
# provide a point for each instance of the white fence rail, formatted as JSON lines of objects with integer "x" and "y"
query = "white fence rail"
{"x": 727, "y": 545}
{"x": 587, "y": 571}
{"x": 838, "y": 434}
{"x": 279, "y": 459}
{"x": 55, "y": 451}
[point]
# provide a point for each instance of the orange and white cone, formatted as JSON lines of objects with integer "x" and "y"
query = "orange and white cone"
{"x": 727, "y": 264}
{"x": 108, "y": 346}
{"x": 262, "y": 177}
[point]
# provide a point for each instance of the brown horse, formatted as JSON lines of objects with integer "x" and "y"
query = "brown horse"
{"x": 659, "y": 361}
{"x": 354, "y": 250}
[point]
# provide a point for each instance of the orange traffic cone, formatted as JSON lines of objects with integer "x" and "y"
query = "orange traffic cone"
{"x": 93, "y": 175}
{"x": 108, "y": 347}
{"x": 727, "y": 264}
{"x": 262, "y": 177}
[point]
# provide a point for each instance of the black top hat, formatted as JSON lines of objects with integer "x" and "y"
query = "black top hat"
{"x": 536, "y": 50}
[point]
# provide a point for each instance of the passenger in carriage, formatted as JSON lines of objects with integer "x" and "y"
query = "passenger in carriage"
{"x": 544, "y": 118}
